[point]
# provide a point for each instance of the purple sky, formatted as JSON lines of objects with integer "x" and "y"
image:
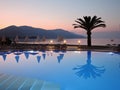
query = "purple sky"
{"x": 52, "y": 14}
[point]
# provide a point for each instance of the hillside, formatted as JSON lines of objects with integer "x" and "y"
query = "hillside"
{"x": 22, "y": 31}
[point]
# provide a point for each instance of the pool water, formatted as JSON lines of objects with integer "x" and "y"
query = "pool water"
{"x": 72, "y": 70}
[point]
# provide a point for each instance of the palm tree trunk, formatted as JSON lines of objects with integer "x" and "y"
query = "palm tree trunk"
{"x": 88, "y": 57}
{"x": 88, "y": 38}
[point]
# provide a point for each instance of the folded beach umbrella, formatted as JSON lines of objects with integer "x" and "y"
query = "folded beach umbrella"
{"x": 17, "y": 58}
{"x": 16, "y": 39}
{"x": 26, "y": 54}
{"x": 4, "y": 56}
{"x": 26, "y": 39}
{"x": 44, "y": 56}
{"x": 60, "y": 57}
{"x": 60, "y": 38}
{"x": 38, "y": 38}
{"x": 38, "y": 58}
{"x": 43, "y": 38}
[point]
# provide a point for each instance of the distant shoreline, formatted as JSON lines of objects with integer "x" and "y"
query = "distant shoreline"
{"x": 66, "y": 47}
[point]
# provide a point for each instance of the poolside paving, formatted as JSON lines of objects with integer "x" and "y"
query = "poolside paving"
{"x": 10, "y": 82}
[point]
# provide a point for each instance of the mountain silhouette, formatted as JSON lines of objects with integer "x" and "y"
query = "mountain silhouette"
{"x": 22, "y": 31}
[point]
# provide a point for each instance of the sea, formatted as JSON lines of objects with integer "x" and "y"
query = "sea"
{"x": 95, "y": 41}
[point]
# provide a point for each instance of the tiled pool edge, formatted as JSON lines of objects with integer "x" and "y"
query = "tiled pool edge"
{"x": 10, "y": 82}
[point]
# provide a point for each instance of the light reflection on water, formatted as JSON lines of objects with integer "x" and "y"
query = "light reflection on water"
{"x": 73, "y": 70}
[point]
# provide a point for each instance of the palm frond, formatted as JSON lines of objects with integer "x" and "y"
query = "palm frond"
{"x": 78, "y": 22}
{"x": 93, "y": 20}
{"x": 99, "y": 25}
{"x": 82, "y": 21}
{"x": 87, "y": 19}
{"x": 89, "y": 22}
{"x": 76, "y": 26}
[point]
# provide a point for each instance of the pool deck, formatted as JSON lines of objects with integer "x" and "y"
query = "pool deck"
{"x": 10, "y": 82}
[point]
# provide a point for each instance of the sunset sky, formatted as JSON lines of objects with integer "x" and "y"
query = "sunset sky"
{"x": 52, "y": 14}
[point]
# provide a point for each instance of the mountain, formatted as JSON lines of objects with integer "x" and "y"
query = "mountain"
{"x": 22, "y": 31}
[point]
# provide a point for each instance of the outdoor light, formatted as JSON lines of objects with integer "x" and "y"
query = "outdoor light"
{"x": 64, "y": 41}
{"x": 51, "y": 41}
{"x": 78, "y": 41}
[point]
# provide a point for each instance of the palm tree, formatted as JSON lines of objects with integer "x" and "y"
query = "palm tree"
{"x": 89, "y": 23}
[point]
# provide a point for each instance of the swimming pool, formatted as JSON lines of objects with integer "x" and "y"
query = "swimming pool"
{"x": 72, "y": 70}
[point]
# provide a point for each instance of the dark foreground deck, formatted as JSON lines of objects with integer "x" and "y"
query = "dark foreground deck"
{"x": 67, "y": 47}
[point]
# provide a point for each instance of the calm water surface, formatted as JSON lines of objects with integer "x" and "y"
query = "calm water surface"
{"x": 72, "y": 70}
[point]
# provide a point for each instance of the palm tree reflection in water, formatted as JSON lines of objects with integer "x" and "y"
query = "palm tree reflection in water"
{"x": 88, "y": 70}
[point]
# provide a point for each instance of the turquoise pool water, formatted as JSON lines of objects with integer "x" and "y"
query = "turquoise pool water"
{"x": 72, "y": 70}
